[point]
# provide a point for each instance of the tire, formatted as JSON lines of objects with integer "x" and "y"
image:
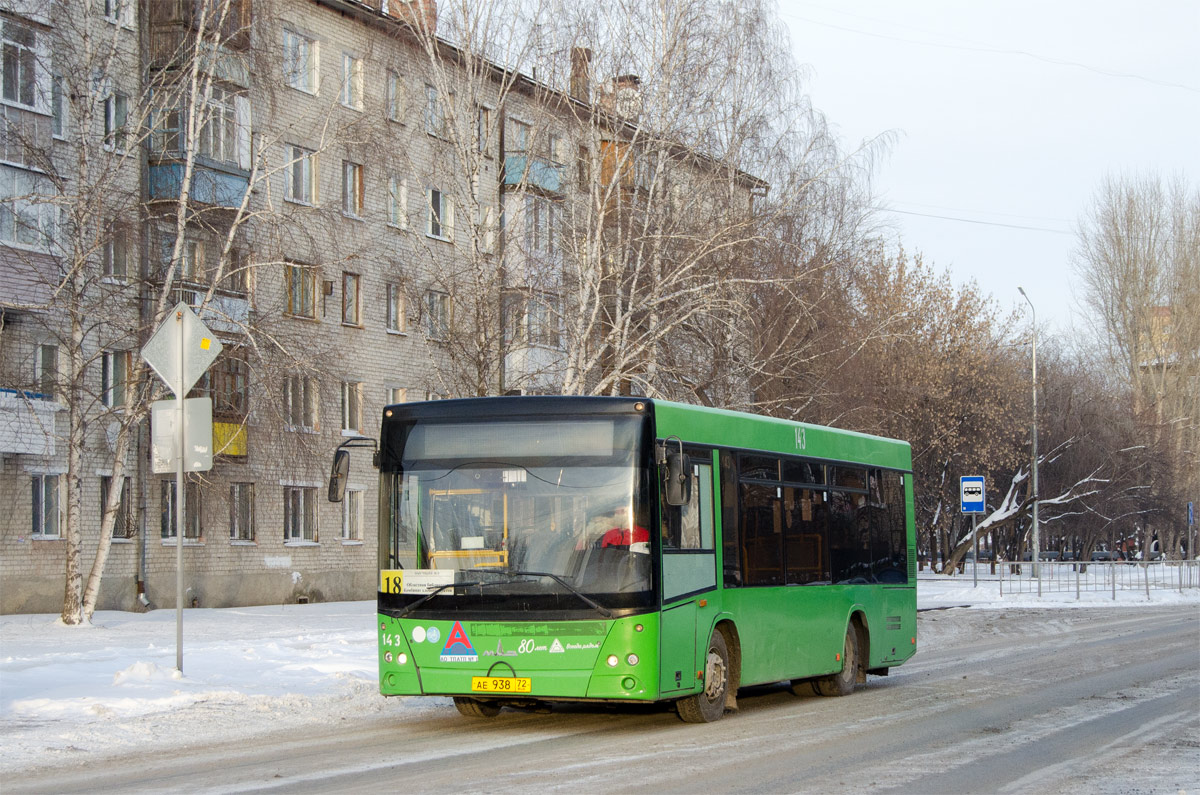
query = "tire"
{"x": 709, "y": 704}
{"x": 842, "y": 684}
{"x": 474, "y": 708}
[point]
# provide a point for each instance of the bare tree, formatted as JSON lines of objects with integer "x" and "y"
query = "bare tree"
{"x": 1138, "y": 259}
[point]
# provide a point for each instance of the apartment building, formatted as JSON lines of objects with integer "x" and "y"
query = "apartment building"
{"x": 361, "y": 213}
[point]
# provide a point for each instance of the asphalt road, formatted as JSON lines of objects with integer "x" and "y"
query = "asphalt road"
{"x": 1090, "y": 700}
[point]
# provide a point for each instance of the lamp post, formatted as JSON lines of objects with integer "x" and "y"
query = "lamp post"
{"x": 1033, "y": 343}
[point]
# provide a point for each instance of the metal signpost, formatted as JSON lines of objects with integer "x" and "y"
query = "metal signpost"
{"x": 181, "y": 430}
{"x": 971, "y": 492}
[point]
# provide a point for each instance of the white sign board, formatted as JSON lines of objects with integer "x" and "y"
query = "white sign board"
{"x": 164, "y": 435}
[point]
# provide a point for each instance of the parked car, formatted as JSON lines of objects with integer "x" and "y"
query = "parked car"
{"x": 1104, "y": 554}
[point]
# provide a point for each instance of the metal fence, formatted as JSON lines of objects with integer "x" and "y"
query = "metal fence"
{"x": 1110, "y": 576}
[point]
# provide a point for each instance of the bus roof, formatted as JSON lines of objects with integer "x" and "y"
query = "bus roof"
{"x": 696, "y": 424}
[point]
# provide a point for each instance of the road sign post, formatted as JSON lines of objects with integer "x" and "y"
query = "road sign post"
{"x": 180, "y": 350}
{"x": 973, "y": 501}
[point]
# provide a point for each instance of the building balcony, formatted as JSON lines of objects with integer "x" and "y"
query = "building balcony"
{"x": 211, "y": 186}
{"x": 27, "y": 423}
{"x": 229, "y": 438}
{"x": 536, "y": 172}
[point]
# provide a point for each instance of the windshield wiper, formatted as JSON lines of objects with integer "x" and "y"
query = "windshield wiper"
{"x": 604, "y": 611}
{"x": 432, "y": 594}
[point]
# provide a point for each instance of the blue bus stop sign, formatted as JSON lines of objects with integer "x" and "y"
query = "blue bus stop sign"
{"x": 971, "y": 490}
{"x": 1191, "y": 514}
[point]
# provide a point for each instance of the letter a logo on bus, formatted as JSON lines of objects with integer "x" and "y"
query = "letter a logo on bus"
{"x": 458, "y": 647}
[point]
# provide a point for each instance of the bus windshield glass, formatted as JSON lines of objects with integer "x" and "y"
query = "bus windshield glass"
{"x": 519, "y": 515}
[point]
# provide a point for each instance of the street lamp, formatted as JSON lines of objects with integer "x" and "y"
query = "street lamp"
{"x": 1033, "y": 343}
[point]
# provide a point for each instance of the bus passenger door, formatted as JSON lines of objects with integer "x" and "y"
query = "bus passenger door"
{"x": 689, "y": 568}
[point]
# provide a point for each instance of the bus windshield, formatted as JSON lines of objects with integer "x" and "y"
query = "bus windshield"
{"x": 529, "y": 516}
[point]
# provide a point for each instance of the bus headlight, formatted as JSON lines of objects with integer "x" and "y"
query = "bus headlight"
{"x": 632, "y": 659}
{"x": 402, "y": 659}
{"x": 613, "y": 660}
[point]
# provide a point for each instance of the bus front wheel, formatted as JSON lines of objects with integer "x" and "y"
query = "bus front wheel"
{"x": 709, "y": 704}
{"x": 842, "y": 684}
{"x": 474, "y": 708}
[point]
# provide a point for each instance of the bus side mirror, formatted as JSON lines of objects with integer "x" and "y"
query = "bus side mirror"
{"x": 678, "y": 489}
{"x": 339, "y": 475}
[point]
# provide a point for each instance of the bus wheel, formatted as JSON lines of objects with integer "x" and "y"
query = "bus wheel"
{"x": 474, "y": 708}
{"x": 709, "y": 704}
{"x": 842, "y": 684}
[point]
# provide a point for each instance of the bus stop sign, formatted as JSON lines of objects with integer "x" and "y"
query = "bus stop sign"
{"x": 971, "y": 491}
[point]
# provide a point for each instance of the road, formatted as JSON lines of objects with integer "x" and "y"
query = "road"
{"x": 1090, "y": 700}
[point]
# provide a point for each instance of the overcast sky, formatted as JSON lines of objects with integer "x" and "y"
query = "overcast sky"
{"x": 1007, "y": 116}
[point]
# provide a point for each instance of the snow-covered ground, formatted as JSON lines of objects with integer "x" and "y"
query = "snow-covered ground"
{"x": 73, "y": 693}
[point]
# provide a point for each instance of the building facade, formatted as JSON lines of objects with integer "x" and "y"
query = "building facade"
{"x": 362, "y": 213}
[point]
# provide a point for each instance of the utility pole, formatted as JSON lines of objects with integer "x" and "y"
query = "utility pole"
{"x": 1037, "y": 572}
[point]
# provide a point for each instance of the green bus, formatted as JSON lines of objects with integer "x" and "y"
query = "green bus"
{"x": 546, "y": 549}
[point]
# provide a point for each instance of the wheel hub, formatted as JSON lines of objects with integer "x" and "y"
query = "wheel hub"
{"x": 714, "y": 676}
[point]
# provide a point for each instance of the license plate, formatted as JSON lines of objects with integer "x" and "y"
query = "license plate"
{"x": 500, "y": 684}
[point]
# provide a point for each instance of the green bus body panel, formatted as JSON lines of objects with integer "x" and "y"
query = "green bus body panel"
{"x": 785, "y": 632}
{"x": 563, "y": 659}
{"x": 749, "y": 432}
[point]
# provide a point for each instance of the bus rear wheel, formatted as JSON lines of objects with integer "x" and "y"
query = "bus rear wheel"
{"x": 474, "y": 708}
{"x": 842, "y": 684}
{"x": 709, "y": 704}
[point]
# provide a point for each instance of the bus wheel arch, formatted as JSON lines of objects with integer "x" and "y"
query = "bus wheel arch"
{"x": 718, "y": 682}
{"x": 854, "y": 660}
{"x": 734, "y": 643}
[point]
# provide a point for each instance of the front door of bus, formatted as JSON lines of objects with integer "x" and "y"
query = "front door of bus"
{"x": 689, "y": 569}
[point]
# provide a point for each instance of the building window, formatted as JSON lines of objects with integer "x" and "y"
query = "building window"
{"x": 398, "y": 202}
{"x": 114, "y": 255}
{"x": 556, "y": 148}
{"x": 483, "y": 129}
{"x": 441, "y": 215}
{"x": 58, "y": 106}
{"x": 301, "y": 176}
{"x": 114, "y": 377}
{"x": 116, "y": 115}
{"x": 119, "y": 12}
{"x": 395, "y": 394}
{"x": 300, "y": 61}
{"x": 301, "y": 290}
{"x": 395, "y": 97}
{"x": 300, "y": 513}
{"x": 47, "y": 371}
{"x": 436, "y": 121}
{"x": 169, "y": 527}
{"x": 352, "y": 515}
{"x": 352, "y": 81}
{"x": 532, "y": 320}
{"x": 27, "y": 212}
{"x": 397, "y": 321}
{"x": 351, "y": 299}
{"x": 352, "y": 189}
{"x": 123, "y": 526}
{"x": 300, "y": 403}
{"x": 437, "y": 314}
{"x": 219, "y": 136}
{"x": 352, "y": 408}
{"x": 541, "y": 225}
{"x": 193, "y": 268}
{"x": 241, "y": 512}
{"x": 45, "y": 506}
{"x": 542, "y": 322}
{"x": 20, "y": 64}
{"x": 230, "y": 379}
{"x": 520, "y": 137}
{"x": 486, "y": 228}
